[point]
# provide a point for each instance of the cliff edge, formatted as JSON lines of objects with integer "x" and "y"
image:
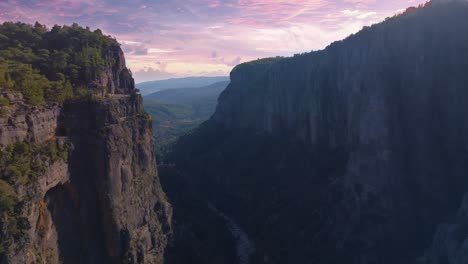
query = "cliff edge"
{"x": 78, "y": 179}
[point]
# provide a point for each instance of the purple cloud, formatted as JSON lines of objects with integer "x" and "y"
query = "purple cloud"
{"x": 193, "y": 37}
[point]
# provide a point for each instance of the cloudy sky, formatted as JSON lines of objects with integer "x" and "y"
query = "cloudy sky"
{"x": 175, "y": 38}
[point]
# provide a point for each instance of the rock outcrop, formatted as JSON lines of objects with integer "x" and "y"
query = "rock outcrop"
{"x": 84, "y": 188}
{"x": 23, "y": 123}
{"x": 116, "y": 76}
{"x": 353, "y": 154}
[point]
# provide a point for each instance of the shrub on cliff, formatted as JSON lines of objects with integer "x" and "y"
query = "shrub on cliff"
{"x": 22, "y": 162}
{"x": 45, "y": 64}
{"x": 7, "y": 197}
{"x": 4, "y": 105}
{"x": 8, "y": 201}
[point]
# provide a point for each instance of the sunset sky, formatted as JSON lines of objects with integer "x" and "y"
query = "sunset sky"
{"x": 177, "y": 38}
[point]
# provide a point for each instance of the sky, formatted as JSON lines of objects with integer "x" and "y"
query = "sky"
{"x": 179, "y": 38}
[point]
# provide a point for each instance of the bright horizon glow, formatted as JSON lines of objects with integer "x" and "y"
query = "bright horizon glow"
{"x": 180, "y": 38}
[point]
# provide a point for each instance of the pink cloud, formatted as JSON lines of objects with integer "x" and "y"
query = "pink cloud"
{"x": 238, "y": 30}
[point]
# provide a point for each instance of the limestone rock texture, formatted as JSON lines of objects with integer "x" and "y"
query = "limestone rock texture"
{"x": 116, "y": 76}
{"x": 22, "y": 123}
{"x": 101, "y": 202}
{"x": 353, "y": 154}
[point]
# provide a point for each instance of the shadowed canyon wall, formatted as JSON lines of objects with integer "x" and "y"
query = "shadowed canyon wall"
{"x": 352, "y": 154}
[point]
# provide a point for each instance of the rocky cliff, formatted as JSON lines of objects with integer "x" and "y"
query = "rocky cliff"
{"x": 78, "y": 180}
{"x": 116, "y": 76}
{"x": 353, "y": 154}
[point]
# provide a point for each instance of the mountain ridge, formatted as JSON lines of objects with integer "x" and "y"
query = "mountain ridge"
{"x": 177, "y": 111}
{"x": 149, "y": 87}
{"x": 183, "y": 95}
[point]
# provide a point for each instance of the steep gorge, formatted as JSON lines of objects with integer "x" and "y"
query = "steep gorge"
{"x": 356, "y": 153}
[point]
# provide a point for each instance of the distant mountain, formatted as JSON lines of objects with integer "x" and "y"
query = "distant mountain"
{"x": 147, "y": 88}
{"x": 189, "y": 95}
{"x": 177, "y": 111}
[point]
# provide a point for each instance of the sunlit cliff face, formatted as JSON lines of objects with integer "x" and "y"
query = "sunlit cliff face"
{"x": 165, "y": 39}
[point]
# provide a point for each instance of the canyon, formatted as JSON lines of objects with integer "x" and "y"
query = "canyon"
{"x": 353, "y": 154}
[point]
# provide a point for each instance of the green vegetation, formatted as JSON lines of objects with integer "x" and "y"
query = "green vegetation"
{"x": 4, "y": 102}
{"x": 148, "y": 88}
{"x": 170, "y": 122}
{"x": 4, "y": 105}
{"x": 51, "y": 65}
{"x": 103, "y": 90}
{"x": 264, "y": 61}
{"x": 7, "y": 197}
{"x": 8, "y": 201}
{"x": 22, "y": 162}
{"x": 175, "y": 112}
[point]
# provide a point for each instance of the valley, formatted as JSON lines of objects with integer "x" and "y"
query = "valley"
{"x": 177, "y": 111}
{"x": 356, "y": 153}
{"x": 353, "y": 154}
{"x": 244, "y": 246}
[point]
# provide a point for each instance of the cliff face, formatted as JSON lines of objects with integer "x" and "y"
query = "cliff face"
{"x": 79, "y": 183}
{"x": 355, "y": 153}
{"x": 116, "y": 76}
{"x": 22, "y": 123}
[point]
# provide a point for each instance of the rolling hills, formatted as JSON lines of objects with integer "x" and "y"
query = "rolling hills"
{"x": 150, "y": 87}
{"x": 177, "y": 111}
